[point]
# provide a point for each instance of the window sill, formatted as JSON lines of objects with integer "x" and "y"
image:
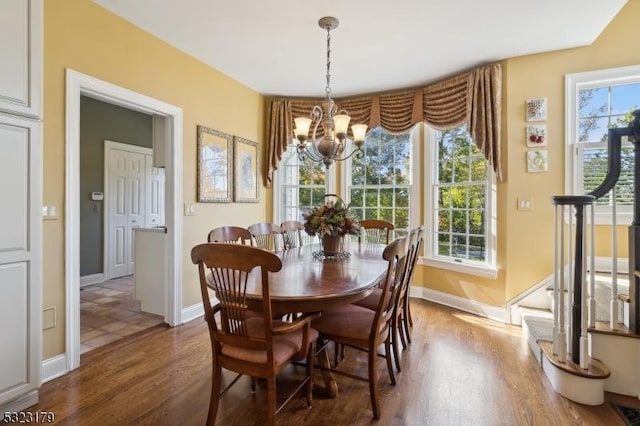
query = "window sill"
{"x": 464, "y": 268}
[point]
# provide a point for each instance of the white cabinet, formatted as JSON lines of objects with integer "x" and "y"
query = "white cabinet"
{"x": 20, "y": 209}
{"x": 21, "y": 57}
{"x": 150, "y": 270}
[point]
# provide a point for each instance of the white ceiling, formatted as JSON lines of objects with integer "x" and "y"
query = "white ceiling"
{"x": 277, "y": 48}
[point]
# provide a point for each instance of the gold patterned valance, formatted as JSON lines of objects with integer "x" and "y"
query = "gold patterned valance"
{"x": 472, "y": 98}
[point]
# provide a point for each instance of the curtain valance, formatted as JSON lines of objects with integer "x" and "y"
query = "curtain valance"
{"x": 472, "y": 98}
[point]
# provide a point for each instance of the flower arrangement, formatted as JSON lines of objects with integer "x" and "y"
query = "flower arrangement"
{"x": 331, "y": 218}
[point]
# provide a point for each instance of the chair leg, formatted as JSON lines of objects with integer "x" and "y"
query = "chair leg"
{"x": 401, "y": 331}
{"x": 393, "y": 332}
{"x": 216, "y": 378}
{"x": 310, "y": 357}
{"x": 387, "y": 349}
{"x": 271, "y": 400}
{"x": 408, "y": 314}
{"x": 253, "y": 384}
{"x": 373, "y": 382}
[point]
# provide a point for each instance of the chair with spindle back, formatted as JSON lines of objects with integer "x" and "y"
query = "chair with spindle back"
{"x": 294, "y": 235}
{"x": 230, "y": 234}
{"x": 258, "y": 346}
{"x": 376, "y": 231}
{"x": 364, "y": 329}
{"x": 267, "y": 236}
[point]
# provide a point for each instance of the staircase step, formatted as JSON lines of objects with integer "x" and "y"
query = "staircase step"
{"x": 537, "y": 329}
{"x": 596, "y": 369}
{"x": 603, "y": 327}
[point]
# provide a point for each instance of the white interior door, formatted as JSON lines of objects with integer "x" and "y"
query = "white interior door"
{"x": 154, "y": 194}
{"x": 125, "y": 196}
{"x": 20, "y": 257}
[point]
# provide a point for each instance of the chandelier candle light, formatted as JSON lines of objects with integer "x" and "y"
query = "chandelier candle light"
{"x": 330, "y": 147}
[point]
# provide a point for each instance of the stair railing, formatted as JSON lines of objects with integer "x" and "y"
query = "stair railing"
{"x": 570, "y": 331}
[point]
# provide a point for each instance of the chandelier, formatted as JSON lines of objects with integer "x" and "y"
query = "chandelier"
{"x": 331, "y": 146}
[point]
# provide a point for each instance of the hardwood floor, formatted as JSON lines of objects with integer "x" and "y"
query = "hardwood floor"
{"x": 459, "y": 370}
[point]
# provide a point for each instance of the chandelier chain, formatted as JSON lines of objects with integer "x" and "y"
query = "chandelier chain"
{"x": 328, "y": 88}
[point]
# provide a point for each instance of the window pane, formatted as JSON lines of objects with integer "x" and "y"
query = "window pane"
{"x": 459, "y": 221}
{"x": 381, "y": 181}
{"x": 462, "y": 198}
{"x": 593, "y": 129}
{"x": 593, "y": 102}
{"x": 444, "y": 220}
{"x": 625, "y": 98}
{"x": 402, "y": 197}
{"x": 477, "y": 248}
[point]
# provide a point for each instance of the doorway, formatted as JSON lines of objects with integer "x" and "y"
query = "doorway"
{"x": 77, "y": 85}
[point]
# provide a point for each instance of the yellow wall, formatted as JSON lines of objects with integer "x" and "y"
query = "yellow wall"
{"x": 87, "y": 38}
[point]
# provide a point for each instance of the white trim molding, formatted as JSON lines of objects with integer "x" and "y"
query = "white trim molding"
{"x": 55, "y": 367}
{"x": 467, "y": 305}
{"x": 92, "y": 279}
{"x": 192, "y": 312}
{"x": 77, "y": 85}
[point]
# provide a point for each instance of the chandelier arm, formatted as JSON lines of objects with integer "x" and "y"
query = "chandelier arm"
{"x": 316, "y": 115}
{"x": 358, "y": 153}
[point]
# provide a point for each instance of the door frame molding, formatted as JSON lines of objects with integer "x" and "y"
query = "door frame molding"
{"x": 108, "y": 146}
{"x": 78, "y": 84}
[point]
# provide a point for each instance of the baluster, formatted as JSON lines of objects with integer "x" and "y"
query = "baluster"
{"x": 557, "y": 264}
{"x": 584, "y": 339}
{"x": 562, "y": 337}
{"x": 592, "y": 270}
{"x": 613, "y": 314}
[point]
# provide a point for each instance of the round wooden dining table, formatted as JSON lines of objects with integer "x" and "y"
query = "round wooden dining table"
{"x": 309, "y": 282}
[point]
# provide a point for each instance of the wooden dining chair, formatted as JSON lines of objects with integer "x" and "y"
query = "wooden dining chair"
{"x": 376, "y": 231}
{"x": 230, "y": 234}
{"x": 267, "y": 236}
{"x": 364, "y": 329}
{"x": 294, "y": 235}
{"x": 400, "y": 321}
{"x": 258, "y": 346}
{"x": 417, "y": 236}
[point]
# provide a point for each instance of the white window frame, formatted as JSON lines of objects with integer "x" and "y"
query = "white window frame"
{"x": 330, "y": 179}
{"x": 414, "y": 193}
{"x": 573, "y": 84}
{"x": 485, "y": 269}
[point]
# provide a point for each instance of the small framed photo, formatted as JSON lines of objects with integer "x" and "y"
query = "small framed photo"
{"x": 536, "y": 135}
{"x": 536, "y": 109}
{"x": 247, "y": 170}
{"x": 537, "y": 161}
{"x": 215, "y": 166}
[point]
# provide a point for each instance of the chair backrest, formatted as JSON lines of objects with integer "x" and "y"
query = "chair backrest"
{"x": 415, "y": 238}
{"x": 230, "y": 234}
{"x": 224, "y": 268}
{"x": 376, "y": 231}
{"x": 397, "y": 256}
{"x": 294, "y": 235}
{"x": 267, "y": 236}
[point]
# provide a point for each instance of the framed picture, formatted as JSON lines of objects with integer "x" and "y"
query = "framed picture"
{"x": 215, "y": 166}
{"x": 246, "y": 168}
{"x": 537, "y": 161}
{"x": 536, "y": 109}
{"x": 536, "y": 135}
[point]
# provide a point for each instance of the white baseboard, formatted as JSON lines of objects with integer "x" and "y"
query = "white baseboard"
{"x": 603, "y": 264}
{"x": 55, "y": 367}
{"x": 21, "y": 403}
{"x": 461, "y": 303}
{"x": 192, "y": 312}
{"x": 92, "y": 279}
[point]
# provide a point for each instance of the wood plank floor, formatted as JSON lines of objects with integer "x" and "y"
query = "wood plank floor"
{"x": 459, "y": 370}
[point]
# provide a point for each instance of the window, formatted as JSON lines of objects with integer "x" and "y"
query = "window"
{"x": 299, "y": 185}
{"x": 597, "y": 101}
{"x": 459, "y": 204}
{"x": 380, "y": 184}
